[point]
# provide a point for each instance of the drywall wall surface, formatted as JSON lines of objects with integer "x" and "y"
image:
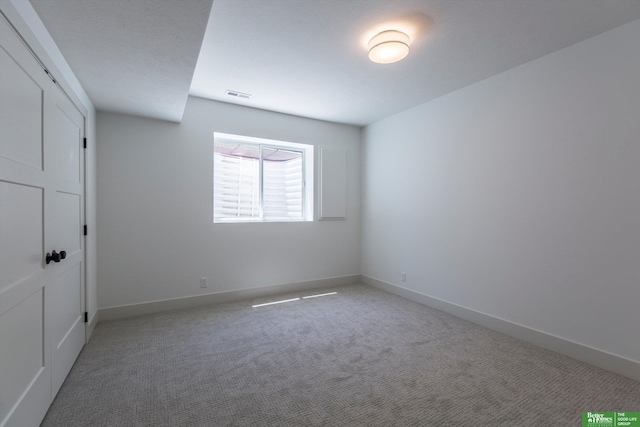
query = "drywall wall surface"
{"x": 91, "y": 241}
{"x": 157, "y": 236}
{"x": 518, "y": 196}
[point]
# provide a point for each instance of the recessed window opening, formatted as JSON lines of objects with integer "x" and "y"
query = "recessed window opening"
{"x": 257, "y": 179}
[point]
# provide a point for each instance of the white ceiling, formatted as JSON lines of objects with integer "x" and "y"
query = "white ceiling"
{"x": 307, "y": 57}
{"x": 131, "y": 56}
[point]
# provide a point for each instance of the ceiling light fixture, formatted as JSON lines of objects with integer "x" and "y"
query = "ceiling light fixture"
{"x": 388, "y": 47}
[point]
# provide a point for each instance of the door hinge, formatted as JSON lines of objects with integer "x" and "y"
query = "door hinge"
{"x": 84, "y": 143}
{"x": 86, "y": 317}
{"x": 50, "y": 76}
{"x": 85, "y": 230}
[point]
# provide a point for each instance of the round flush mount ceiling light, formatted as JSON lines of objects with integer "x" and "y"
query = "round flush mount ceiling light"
{"x": 388, "y": 47}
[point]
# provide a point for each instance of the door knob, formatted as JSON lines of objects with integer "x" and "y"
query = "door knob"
{"x": 55, "y": 256}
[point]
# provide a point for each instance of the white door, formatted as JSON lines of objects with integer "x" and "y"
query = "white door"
{"x": 64, "y": 209}
{"x": 41, "y": 173}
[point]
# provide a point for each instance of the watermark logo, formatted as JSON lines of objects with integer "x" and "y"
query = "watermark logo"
{"x": 611, "y": 419}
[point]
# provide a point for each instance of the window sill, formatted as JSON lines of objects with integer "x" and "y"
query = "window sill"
{"x": 257, "y": 221}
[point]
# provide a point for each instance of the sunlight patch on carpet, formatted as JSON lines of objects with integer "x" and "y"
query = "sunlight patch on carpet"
{"x": 276, "y": 302}
{"x": 320, "y": 295}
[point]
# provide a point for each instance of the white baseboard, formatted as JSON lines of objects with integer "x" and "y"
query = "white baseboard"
{"x": 599, "y": 358}
{"x": 140, "y": 309}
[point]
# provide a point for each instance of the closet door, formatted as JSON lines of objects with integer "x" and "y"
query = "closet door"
{"x": 64, "y": 213}
{"x": 25, "y": 373}
{"x": 41, "y": 210}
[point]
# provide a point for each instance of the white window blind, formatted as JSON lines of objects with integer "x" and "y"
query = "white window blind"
{"x": 258, "y": 182}
{"x": 283, "y": 183}
{"x": 236, "y": 186}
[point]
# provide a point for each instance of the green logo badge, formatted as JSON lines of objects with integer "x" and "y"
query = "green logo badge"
{"x": 611, "y": 419}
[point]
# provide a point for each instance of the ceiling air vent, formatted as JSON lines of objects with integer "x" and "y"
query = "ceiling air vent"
{"x": 237, "y": 94}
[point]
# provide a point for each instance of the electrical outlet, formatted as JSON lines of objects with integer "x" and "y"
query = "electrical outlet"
{"x": 203, "y": 282}
{"x": 403, "y": 276}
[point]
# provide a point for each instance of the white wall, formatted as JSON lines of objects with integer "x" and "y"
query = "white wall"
{"x": 155, "y": 222}
{"x": 91, "y": 246}
{"x": 519, "y": 196}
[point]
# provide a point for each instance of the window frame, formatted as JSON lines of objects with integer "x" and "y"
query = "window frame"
{"x": 307, "y": 153}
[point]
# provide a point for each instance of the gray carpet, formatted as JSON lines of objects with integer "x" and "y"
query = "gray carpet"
{"x": 362, "y": 357}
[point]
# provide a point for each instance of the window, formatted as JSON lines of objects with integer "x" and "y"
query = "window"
{"x": 257, "y": 179}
